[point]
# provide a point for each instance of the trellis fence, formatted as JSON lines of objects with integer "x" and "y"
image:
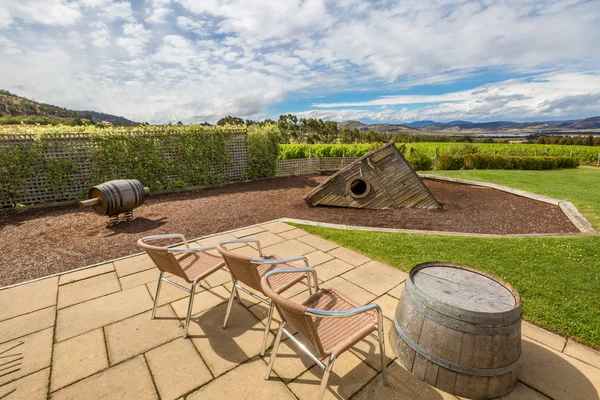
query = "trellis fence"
{"x": 50, "y": 182}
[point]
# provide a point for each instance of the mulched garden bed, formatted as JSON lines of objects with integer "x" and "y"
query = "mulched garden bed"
{"x": 39, "y": 242}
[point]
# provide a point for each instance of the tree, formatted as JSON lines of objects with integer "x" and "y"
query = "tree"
{"x": 229, "y": 120}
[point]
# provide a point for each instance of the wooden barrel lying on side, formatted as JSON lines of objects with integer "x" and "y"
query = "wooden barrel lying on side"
{"x": 459, "y": 329}
{"x": 116, "y": 197}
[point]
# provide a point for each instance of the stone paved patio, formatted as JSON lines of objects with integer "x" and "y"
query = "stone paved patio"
{"x": 88, "y": 335}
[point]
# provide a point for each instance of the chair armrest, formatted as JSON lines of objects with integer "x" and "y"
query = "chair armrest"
{"x": 293, "y": 270}
{"x": 346, "y": 313}
{"x": 190, "y": 249}
{"x": 244, "y": 240}
{"x": 166, "y": 236}
{"x": 257, "y": 260}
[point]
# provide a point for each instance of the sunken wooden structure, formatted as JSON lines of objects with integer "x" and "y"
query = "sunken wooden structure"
{"x": 379, "y": 179}
{"x": 116, "y": 197}
{"x": 459, "y": 329}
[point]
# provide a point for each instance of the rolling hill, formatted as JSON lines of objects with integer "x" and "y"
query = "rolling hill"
{"x": 12, "y": 105}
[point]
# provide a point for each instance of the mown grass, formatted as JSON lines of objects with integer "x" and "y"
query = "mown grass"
{"x": 558, "y": 277}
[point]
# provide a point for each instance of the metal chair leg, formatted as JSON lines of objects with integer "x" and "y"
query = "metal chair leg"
{"x": 158, "y": 285}
{"x": 328, "y": 369}
{"x": 267, "y": 329}
{"x": 189, "y": 312}
{"x": 275, "y": 349}
{"x": 382, "y": 353}
{"x": 230, "y": 303}
{"x": 310, "y": 284}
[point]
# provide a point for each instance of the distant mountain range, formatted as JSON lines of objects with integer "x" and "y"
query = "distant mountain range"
{"x": 474, "y": 127}
{"x": 17, "y": 106}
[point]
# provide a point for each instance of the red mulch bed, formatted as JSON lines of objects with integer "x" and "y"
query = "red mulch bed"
{"x": 39, "y": 242}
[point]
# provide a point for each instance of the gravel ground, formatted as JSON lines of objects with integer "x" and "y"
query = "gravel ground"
{"x": 39, "y": 242}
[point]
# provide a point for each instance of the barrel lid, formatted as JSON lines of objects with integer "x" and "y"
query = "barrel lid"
{"x": 464, "y": 287}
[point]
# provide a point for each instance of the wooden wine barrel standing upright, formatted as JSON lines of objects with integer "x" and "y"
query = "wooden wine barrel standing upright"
{"x": 116, "y": 197}
{"x": 459, "y": 329}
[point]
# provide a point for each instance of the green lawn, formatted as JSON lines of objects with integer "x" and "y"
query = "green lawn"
{"x": 558, "y": 278}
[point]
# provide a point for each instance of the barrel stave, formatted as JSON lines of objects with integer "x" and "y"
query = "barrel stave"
{"x": 118, "y": 196}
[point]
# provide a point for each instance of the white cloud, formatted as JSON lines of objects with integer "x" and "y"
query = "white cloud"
{"x": 160, "y": 11}
{"x": 554, "y": 95}
{"x": 45, "y": 12}
{"x": 100, "y": 36}
{"x": 191, "y": 25}
{"x": 110, "y": 10}
{"x": 135, "y": 38}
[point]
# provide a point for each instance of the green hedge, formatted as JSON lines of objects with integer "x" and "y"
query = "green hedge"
{"x": 195, "y": 154}
{"x": 489, "y": 161}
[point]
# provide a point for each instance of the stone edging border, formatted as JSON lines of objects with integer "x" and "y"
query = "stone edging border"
{"x": 581, "y": 222}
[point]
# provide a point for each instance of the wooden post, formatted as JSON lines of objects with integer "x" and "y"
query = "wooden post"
{"x": 535, "y": 153}
{"x": 546, "y": 151}
{"x": 598, "y": 162}
{"x": 571, "y": 153}
{"x": 309, "y": 153}
{"x": 435, "y": 154}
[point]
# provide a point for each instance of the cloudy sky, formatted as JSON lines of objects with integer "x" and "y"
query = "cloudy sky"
{"x": 377, "y": 61}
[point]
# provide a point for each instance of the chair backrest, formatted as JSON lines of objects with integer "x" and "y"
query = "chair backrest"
{"x": 165, "y": 261}
{"x": 295, "y": 315}
{"x": 241, "y": 268}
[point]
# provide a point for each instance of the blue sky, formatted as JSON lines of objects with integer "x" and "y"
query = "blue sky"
{"x": 376, "y": 61}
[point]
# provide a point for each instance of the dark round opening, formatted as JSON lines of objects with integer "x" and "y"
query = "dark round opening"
{"x": 359, "y": 188}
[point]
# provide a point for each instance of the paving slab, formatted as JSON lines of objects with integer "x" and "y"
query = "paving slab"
{"x": 318, "y": 242}
{"x": 397, "y": 291}
{"x": 348, "y": 375}
{"x": 291, "y": 362}
{"x": 26, "y": 355}
{"x": 402, "y": 385}
{"x": 177, "y": 368}
{"x": 135, "y": 335}
{"x": 131, "y": 265}
{"x": 92, "y": 314}
{"x": 85, "y": 273}
{"x": 266, "y": 239}
{"x": 31, "y": 387}
{"x": 368, "y": 348}
{"x": 215, "y": 240}
{"x": 248, "y": 232}
{"x": 388, "y": 305}
{"x": 87, "y": 289}
{"x": 583, "y": 353}
{"x": 543, "y": 336}
{"x": 317, "y": 258}
{"x": 351, "y": 257}
{"x": 288, "y": 248}
{"x": 202, "y": 301}
{"x": 523, "y": 392}
{"x": 293, "y": 234}
{"x": 376, "y": 277}
{"x": 139, "y": 278}
{"x": 26, "y": 298}
{"x": 27, "y": 323}
{"x": 223, "y": 349}
{"x": 219, "y": 277}
{"x": 356, "y": 293}
{"x": 277, "y": 227}
{"x": 332, "y": 268}
{"x": 78, "y": 358}
{"x": 129, "y": 380}
{"x": 557, "y": 375}
{"x": 244, "y": 382}
{"x": 248, "y": 251}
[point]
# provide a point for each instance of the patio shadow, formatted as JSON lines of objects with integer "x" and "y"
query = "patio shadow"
{"x": 136, "y": 225}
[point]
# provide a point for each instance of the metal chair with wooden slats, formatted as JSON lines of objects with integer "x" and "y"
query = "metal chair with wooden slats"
{"x": 250, "y": 270}
{"x": 331, "y": 322}
{"x": 190, "y": 264}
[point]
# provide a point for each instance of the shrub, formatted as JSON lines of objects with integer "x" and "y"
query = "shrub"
{"x": 489, "y": 161}
{"x": 450, "y": 162}
{"x": 420, "y": 162}
{"x": 263, "y": 151}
